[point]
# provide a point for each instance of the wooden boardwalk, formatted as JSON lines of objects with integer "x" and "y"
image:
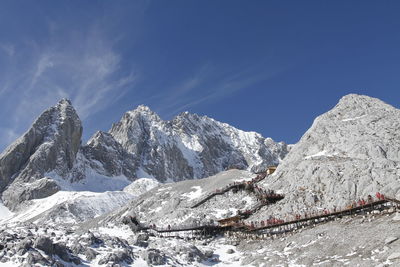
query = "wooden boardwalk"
{"x": 338, "y": 214}
{"x": 244, "y": 185}
{"x": 267, "y": 227}
{"x": 237, "y": 186}
{"x": 242, "y": 230}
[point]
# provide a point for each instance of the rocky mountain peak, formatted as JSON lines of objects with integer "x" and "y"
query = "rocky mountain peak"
{"x": 51, "y": 144}
{"x": 144, "y": 113}
{"x": 98, "y": 138}
{"x": 191, "y": 146}
{"x": 349, "y": 152}
{"x": 64, "y": 102}
{"x": 354, "y": 100}
{"x": 50, "y": 156}
{"x": 355, "y": 106}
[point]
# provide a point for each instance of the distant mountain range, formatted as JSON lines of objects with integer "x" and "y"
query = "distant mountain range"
{"x": 50, "y": 157}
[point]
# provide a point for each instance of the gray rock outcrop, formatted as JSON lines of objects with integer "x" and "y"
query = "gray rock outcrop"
{"x": 350, "y": 152}
{"x": 107, "y": 157}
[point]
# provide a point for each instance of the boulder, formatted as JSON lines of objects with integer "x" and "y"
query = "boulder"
{"x": 230, "y": 251}
{"x": 116, "y": 257}
{"x": 45, "y": 244}
{"x": 90, "y": 254}
{"x": 153, "y": 257}
{"x": 190, "y": 253}
{"x": 35, "y": 257}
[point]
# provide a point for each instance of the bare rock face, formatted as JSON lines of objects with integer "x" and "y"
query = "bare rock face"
{"x": 191, "y": 146}
{"x": 348, "y": 153}
{"x": 18, "y": 192}
{"x": 51, "y": 144}
{"x": 114, "y": 160}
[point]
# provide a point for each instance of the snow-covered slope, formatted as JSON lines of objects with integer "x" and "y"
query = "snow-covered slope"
{"x": 191, "y": 146}
{"x": 69, "y": 207}
{"x": 348, "y": 153}
{"x": 171, "y": 203}
{"x": 141, "y": 186}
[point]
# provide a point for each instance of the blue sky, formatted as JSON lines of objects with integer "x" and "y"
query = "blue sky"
{"x": 264, "y": 66}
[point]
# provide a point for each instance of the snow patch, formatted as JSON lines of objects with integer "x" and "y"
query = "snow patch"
{"x": 4, "y": 212}
{"x": 91, "y": 203}
{"x": 121, "y": 232}
{"x": 194, "y": 194}
{"x": 355, "y": 118}
{"x": 141, "y": 186}
{"x": 222, "y": 213}
{"x": 94, "y": 182}
{"x": 319, "y": 154}
{"x": 8, "y": 264}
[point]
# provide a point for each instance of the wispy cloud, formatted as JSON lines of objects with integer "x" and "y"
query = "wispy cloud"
{"x": 88, "y": 70}
{"x": 210, "y": 84}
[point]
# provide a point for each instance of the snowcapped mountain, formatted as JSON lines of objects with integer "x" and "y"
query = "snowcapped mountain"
{"x": 191, "y": 146}
{"x": 49, "y": 156}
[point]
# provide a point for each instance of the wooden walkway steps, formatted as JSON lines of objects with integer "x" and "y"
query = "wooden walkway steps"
{"x": 237, "y": 185}
{"x": 218, "y": 192}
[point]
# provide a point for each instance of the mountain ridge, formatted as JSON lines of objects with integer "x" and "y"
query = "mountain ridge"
{"x": 50, "y": 156}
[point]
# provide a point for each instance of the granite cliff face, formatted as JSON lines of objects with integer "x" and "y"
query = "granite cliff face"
{"x": 348, "y": 153}
{"x": 51, "y": 144}
{"x": 191, "y": 146}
